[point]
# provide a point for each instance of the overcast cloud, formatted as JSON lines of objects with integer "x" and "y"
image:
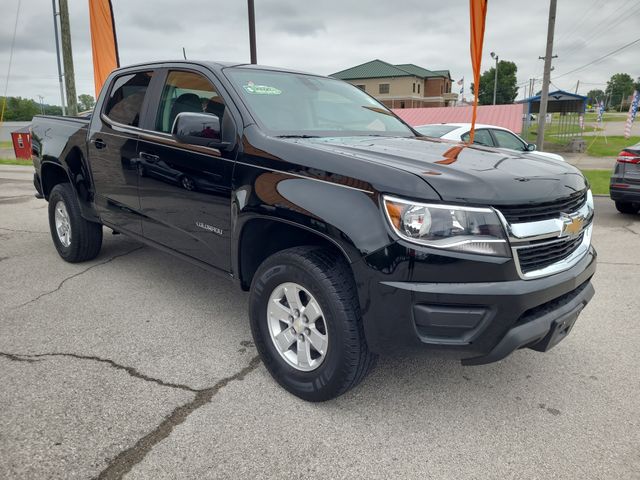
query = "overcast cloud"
{"x": 327, "y": 36}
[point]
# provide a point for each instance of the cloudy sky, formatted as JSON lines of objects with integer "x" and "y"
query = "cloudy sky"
{"x": 327, "y": 36}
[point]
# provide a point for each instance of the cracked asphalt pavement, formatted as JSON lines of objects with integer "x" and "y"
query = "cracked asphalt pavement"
{"x": 137, "y": 365}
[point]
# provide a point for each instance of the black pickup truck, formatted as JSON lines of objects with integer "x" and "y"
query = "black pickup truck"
{"x": 355, "y": 234}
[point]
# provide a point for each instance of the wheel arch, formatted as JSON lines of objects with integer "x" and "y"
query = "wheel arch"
{"x": 260, "y": 237}
{"x": 72, "y": 169}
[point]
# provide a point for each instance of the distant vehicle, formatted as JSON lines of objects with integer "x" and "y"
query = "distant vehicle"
{"x": 624, "y": 187}
{"x": 487, "y": 135}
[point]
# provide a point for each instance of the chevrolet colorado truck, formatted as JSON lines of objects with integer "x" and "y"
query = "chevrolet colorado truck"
{"x": 354, "y": 234}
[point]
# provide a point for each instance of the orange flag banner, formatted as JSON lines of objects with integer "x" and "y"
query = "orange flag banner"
{"x": 477, "y": 14}
{"x": 104, "y": 44}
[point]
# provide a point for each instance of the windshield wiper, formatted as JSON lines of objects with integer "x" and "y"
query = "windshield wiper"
{"x": 297, "y": 136}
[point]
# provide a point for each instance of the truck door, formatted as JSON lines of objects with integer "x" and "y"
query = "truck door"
{"x": 113, "y": 140}
{"x": 185, "y": 190}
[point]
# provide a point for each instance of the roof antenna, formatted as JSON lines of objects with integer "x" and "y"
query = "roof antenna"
{"x": 184, "y": 53}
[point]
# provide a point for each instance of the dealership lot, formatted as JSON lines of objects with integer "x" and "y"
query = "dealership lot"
{"x": 141, "y": 365}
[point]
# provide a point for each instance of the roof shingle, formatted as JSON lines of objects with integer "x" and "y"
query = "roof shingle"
{"x": 373, "y": 69}
{"x": 381, "y": 69}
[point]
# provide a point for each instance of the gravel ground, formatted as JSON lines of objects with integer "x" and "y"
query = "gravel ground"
{"x": 137, "y": 365}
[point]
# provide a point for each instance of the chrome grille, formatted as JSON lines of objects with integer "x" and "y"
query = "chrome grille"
{"x": 555, "y": 240}
{"x": 542, "y": 211}
{"x": 543, "y": 254}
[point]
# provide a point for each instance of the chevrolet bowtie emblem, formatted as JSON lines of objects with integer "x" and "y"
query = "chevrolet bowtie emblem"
{"x": 572, "y": 226}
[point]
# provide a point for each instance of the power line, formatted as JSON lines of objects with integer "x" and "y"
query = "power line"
{"x": 13, "y": 44}
{"x": 600, "y": 58}
{"x": 574, "y": 28}
{"x": 604, "y": 26}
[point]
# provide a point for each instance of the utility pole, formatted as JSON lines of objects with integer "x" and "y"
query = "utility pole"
{"x": 495, "y": 77}
{"x": 252, "y": 31}
{"x": 55, "y": 30}
{"x": 41, "y": 98}
{"x": 67, "y": 59}
{"x": 546, "y": 78}
{"x": 577, "y": 86}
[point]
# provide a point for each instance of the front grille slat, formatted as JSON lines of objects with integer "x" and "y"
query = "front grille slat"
{"x": 543, "y": 211}
{"x": 537, "y": 257}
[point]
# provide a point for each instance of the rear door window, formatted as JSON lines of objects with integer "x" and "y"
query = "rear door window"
{"x": 482, "y": 137}
{"x": 126, "y": 97}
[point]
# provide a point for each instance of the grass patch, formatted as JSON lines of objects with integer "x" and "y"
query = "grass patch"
{"x": 6, "y": 144}
{"x": 606, "y": 117}
{"x": 597, "y": 147}
{"x": 15, "y": 161}
{"x": 599, "y": 180}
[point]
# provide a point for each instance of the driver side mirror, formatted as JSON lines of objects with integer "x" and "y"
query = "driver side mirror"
{"x": 198, "y": 129}
{"x": 531, "y": 147}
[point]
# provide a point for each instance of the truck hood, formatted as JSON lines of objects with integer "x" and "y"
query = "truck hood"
{"x": 463, "y": 173}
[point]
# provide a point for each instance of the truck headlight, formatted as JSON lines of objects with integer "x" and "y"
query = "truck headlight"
{"x": 449, "y": 227}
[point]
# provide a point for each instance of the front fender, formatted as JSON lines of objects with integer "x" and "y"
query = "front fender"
{"x": 349, "y": 217}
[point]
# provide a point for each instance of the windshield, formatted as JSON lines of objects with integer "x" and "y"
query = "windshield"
{"x": 435, "y": 130}
{"x": 291, "y": 104}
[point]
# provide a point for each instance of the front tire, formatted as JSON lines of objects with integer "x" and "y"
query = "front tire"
{"x": 305, "y": 321}
{"x": 627, "y": 207}
{"x": 75, "y": 239}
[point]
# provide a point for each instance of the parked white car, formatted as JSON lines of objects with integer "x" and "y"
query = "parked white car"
{"x": 489, "y": 135}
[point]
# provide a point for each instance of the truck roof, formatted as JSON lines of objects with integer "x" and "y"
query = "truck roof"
{"x": 215, "y": 65}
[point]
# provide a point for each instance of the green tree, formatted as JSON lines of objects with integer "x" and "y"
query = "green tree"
{"x": 594, "y": 95}
{"x": 619, "y": 86}
{"x": 53, "y": 110}
{"x": 85, "y": 102}
{"x": 19, "y": 109}
{"x": 507, "y": 84}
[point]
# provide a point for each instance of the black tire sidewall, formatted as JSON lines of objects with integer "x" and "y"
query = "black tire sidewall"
{"x": 628, "y": 207}
{"x": 60, "y": 193}
{"x": 86, "y": 236}
{"x": 318, "y": 384}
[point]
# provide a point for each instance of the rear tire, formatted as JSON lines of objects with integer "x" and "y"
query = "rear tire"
{"x": 628, "y": 207}
{"x": 324, "y": 279}
{"x": 75, "y": 239}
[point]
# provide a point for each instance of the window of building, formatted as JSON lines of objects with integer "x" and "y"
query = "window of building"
{"x": 126, "y": 97}
{"x": 383, "y": 88}
{"x": 418, "y": 88}
{"x": 414, "y": 87}
{"x": 187, "y": 92}
{"x": 362, "y": 87}
{"x": 402, "y": 104}
{"x": 441, "y": 89}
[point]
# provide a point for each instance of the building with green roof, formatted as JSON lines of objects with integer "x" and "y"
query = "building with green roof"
{"x": 401, "y": 86}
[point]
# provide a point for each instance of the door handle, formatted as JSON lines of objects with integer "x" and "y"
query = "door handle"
{"x": 99, "y": 143}
{"x": 149, "y": 157}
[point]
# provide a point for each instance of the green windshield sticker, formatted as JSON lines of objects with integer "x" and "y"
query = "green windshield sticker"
{"x": 261, "y": 89}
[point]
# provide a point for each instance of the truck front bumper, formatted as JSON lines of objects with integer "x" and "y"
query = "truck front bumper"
{"x": 483, "y": 321}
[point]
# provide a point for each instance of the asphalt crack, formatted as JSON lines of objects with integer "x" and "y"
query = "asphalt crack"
{"x": 628, "y": 229}
{"x": 130, "y": 370}
{"x": 21, "y": 231}
{"x": 18, "y": 358}
{"x": 44, "y": 294}
{"x": 122, "y": 463}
